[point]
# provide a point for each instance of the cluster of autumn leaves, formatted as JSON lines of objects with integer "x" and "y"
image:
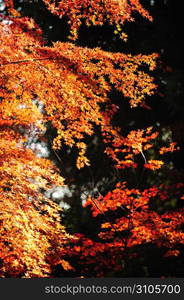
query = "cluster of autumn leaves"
{"x": 98, "y": 12}
{"x": 72, "y": 82}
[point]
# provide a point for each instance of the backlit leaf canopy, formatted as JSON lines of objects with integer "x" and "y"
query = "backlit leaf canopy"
{"x": 67, "y": 88}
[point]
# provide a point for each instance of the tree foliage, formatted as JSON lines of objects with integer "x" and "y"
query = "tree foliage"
{"x": 73, "y": 85}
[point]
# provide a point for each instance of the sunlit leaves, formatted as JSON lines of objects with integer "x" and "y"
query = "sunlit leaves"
{"x": 133, "y": 224}
{"x": 73, "y": 85}
{"x": 70, "y": 81}
{"x": 172, "y": 147}
{"x": 31, "y": 233}
{"x": 153, "y": 164}
{"x": 90, "y": 12}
